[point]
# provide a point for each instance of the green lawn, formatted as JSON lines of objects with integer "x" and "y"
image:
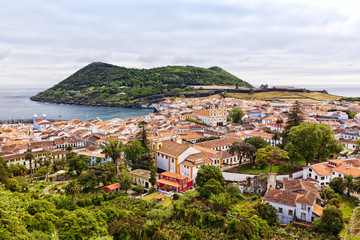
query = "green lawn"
{"x": 167, "y": 202}
{"x": 252, "y": 169}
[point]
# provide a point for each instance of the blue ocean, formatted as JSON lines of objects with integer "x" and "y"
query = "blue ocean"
{"x": 15, "y": 103}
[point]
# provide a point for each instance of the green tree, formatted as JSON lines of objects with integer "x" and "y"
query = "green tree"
{"x": 78, "y": 163}
{"x": 278, "y": 122}
{"x": 220, "y": 201}
{"x": 125, "y": 180}
{"x": 30, "y": 157}
{"x": 208, "y": 172}
{"x": 139, "y": 189}
{"x": 133, "y": 151}
{"x": 69, "y": 148}
{"x": 4, "y": 174}
{"x": 47, "y": 162}
{"x": 257, "y": 142}
{"x": 243, "y": 150}
{"x": 212, "y": 186}
{"x": 152, "y": 178}
{"x": 113, "y": 149}
{"x": 13, "y": 185}
{"x": 312, "y": 141}
{"x": 142, "y": 136}
{"x": 295, "y": 117}
{"x": 233, "y": 191}
{"x": 146, "y": 161}
{"x": 82, "y": 224}
{"x": 337, "y": 184}
{"x": 331, "y": 220}
{"x": 72, "y": 189}
{"x": 272, "y": 155}
{"x": 236, "y": 114}
{"x": 97, "y": 174}
{"x": 351, "y": 114}
{"x": 267, "y": 212}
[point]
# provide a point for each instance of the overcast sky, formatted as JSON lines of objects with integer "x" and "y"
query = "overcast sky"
{"x": 278, "y": 42}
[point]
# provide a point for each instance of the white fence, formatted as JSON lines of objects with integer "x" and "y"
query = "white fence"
{"x": 241, "y": 177}
{"x": 236, "y": 176}
{"x": 298, "y": 174}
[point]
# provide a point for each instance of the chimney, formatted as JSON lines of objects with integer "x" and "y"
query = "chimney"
{"x": 347, "y": 166}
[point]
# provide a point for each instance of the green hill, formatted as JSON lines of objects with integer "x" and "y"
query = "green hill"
{"x": 106, "y": 84}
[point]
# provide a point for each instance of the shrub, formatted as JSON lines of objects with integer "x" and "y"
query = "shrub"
{"x": 329, "y": 193}
{"x": 151, "y": 190}
{"x": 331, "y": 220}
{"x": 213, "y": 221}
{"x": 267, "y": 212}
{"x": 176, "y": 196}
{"x": 139, "y": 189}
{"x": 193, "y": 235}
{"x": 195, "y": 216}
{"x": 335, "y": 201}
{"x": 211, "y": 187}
{"x": 159, "y": 215}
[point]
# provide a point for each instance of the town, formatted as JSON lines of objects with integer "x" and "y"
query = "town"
{"x": 295, "y": 163}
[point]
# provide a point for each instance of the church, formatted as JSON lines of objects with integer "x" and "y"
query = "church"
{"x": 215, "y": 116}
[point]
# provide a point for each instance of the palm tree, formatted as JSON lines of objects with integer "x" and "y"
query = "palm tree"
{"x": 29, "y": 157}
{"x": 279, "y": 121}
{"x": 47, "y": 163}
{"x": 72, "y": 189}
{"x": 69, "y": 148}
{"x": 113, "y": 149}
{"x": 125, "y": 181}
{"x": 355, "y": 223}
{"x": 351, "y": 184}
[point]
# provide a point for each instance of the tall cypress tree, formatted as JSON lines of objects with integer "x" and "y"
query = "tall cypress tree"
{"x": 295, "y": 117}
{"x": 142, "y": 137}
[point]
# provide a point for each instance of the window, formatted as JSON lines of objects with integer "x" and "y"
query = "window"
{"x": 322, "y": 178}
{"x": 310, "y": 170}
{"x": 303, "y": 206}
{"x": 290, "y": 212}
{"x": 303, "y": 216}
{"x": 280, "y": 210}
{"x": 316, "y": 177}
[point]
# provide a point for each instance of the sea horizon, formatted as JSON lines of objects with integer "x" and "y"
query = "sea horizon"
{"x": 15, "y": 104}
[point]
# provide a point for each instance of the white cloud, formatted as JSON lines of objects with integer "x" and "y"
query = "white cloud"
{"x": 273, "y": 41}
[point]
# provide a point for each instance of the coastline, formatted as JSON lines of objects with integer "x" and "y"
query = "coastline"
{"x": 148, "y": 102}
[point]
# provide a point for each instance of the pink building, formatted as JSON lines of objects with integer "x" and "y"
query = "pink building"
{"x": 173, "y": 182}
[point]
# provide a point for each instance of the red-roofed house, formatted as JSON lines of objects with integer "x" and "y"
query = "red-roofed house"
{"x": 112, "y": 187}
{"x": 173, "y": 182}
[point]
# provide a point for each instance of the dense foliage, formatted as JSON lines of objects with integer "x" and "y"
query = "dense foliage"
{"x": 101, "y": 82}
{"x": 312, "y": 141}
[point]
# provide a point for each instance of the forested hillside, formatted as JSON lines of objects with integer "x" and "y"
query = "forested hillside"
{"x": 106, "y": 83}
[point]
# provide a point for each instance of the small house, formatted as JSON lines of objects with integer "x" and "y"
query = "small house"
{"x": 113, "y": 187}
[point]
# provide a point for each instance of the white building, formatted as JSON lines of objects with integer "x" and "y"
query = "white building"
{"x": 323, "y": 173}
{"x": 297, "y": 200}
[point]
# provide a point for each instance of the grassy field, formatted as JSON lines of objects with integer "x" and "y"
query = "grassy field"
{"x": 286, "y": 96}
{"x": 167, "y": 202}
